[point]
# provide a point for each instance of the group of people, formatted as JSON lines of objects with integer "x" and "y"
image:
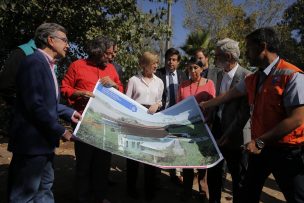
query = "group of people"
{"x": 233, "y": 100}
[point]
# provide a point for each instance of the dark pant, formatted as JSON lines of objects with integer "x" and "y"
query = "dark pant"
{"x": 31, "y": 178}
{"x": 236, "y": 163}
{"x": 92, "y": 170}
{"x": 149, "y": 177}
{"x": 287, "y": 166}
{"x": 188, "y": 176}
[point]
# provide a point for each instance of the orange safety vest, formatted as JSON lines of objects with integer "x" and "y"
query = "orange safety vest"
{"x": 267, "y": 108}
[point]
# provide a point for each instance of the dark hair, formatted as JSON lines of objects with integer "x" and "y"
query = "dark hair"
{"x": 204, "y": 51}
{"x": 265, "y": 35}
{"x": 96, "y": 47}
{"x": 44, "y": 31}
{"x": 193, "y": 60}
{"x": 172, "y": 51}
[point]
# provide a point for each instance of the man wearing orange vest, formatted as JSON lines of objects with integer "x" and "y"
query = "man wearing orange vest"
{"x": 277, "y": 119}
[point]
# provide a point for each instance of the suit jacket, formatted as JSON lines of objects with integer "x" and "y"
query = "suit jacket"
{"x": 161, "y": 73}
{"x": 235, "y": 113}
{"x": 35, "y": 128}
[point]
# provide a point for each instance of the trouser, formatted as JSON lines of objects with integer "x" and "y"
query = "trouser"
{"x": 287, "y": 166}
{"x": 92, "y": 170}
{"x": 188, "y": 176}
{"x": 30, "y": 178}
{"x": 236, "y": 163}
{"x": 149, "y": 177}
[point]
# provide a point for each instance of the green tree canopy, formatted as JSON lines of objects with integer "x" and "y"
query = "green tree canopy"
{"x": 134, "y": 30}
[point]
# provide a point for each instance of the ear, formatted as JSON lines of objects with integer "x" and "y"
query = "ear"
{"x": 50, "y": 41}
{"x": 263, "y": 46}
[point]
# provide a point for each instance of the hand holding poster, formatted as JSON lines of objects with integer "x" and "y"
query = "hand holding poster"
{"x": 174, "y": 138}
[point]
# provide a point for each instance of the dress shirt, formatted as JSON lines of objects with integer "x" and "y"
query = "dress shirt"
{"x": 175, "y": 81}
{"x": 51, "y": 62}
{"x": 225, "y": 86}
{"x": 145, "y": 93}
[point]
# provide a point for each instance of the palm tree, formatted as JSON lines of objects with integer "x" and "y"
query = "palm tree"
{"x": 195, "y": 40}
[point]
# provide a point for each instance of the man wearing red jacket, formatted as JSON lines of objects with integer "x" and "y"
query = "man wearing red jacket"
{"x": 92, "y": 164}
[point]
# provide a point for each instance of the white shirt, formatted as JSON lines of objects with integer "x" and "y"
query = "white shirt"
{"x": 225, "y": 86}
{"x": 145, "y": 93}
{"x": 227, "y": 79}
{"x": 175, "y": 81}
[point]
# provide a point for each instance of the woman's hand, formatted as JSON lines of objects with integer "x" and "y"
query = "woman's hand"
{"x": 153, "y": 108}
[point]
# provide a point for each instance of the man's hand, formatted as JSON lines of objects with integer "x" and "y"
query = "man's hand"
{"x": 222, "y": 141}
{"x": 85, "y": 94}
{"x": 67, "y": 135}
{"x": 153, "y": 108}
{"x": 251, "y": 148}
{"x": 203, "y": 105}
{"x": 76, "y": 117}
{"x": 108, "y": 82}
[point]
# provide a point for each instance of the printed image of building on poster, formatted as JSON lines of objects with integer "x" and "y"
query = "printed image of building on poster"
{"x": 174, "y": 138}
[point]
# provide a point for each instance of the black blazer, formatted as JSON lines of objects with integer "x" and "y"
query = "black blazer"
{"x": 35, "y": 129}
{"x": 161, "y": 73}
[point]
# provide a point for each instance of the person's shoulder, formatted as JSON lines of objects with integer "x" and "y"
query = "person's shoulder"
{"x": 160, "y": 71}
{"x": 157, "y": 78}
{"x": 244, "y": 70}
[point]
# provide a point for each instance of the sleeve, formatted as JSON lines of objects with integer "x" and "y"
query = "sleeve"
{"x": 130, "y": 87}
{"x": 116, "y": 79}
{"x": 32, "y": 91}
{"x": 160, "y": 91}
{"x": 68, "y": 83}
{"x": 293, "y": 94}
{"x": 65, "y": 112}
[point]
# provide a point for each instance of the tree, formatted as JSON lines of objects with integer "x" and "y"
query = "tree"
{"x": 119, "y": 19}
{"x": 221, "y": 18}
{"x": 197, "y": 39}
{"x": 291, "y": 31}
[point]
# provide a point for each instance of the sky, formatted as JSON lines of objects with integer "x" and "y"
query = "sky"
{"x": 178, "y": 14}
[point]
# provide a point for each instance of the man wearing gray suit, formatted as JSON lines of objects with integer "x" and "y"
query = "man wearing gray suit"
{"x": 229, "y": 124}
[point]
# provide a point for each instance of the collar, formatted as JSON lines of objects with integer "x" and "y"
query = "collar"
{"x": 50, "y": 59}
{"x": 231, "y": 73}
{"x": 168, "y": 72}
{"x": 269, "y": 68}
{"x": 141, "y": 75}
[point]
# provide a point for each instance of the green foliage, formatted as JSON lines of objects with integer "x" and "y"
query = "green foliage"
{"x": 134, "y": 30}
{"x": 197, "y": 39}
{"x": 221, "y": 19}
{"x": 291, "y": 31}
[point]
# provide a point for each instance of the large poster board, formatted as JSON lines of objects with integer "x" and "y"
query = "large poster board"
{"x": 174, "y": 138}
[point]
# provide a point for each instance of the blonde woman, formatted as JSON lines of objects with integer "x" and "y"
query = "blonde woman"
{"x": 147, "y": 89}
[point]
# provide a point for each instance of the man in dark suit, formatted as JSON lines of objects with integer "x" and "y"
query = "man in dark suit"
{"x": 229, "y": 121}
{"x": 172, "y": 60}
{"x": 171, "y": 77}
{"x": 35, "y": 131}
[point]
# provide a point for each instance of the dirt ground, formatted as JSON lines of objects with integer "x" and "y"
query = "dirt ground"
{"x": 167, "y": 191}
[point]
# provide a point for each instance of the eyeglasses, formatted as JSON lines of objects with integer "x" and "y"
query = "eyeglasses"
{"x": 65, "y": 40}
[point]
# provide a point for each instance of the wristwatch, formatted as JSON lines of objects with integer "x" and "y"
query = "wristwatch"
{"x": 259, "y": 144}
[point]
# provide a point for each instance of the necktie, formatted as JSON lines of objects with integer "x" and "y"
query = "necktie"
{"x": 262, "y": 78}
{"x": 171, "y": 90}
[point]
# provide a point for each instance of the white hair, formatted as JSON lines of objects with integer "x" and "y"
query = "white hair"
{"x": 231, "y": 46}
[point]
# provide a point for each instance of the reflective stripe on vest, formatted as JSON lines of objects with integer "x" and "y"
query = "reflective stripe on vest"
{"x": 267, "y": 105}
